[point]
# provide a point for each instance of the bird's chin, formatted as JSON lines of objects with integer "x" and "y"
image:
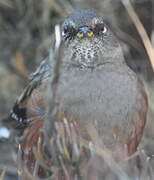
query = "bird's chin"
{"x": 86, "y": 40}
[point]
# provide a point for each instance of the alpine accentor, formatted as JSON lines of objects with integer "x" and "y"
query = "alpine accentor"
{"x": 95, "y": 85}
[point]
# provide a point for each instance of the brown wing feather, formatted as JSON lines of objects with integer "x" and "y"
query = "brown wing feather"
{"x": 142, "y": 109}
{"x": 23, "y": 109}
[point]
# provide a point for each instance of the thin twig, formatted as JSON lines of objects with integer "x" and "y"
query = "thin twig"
{"x": 52, "y": 91}
{"x": 106, "y": 154}
{"x": 5, "y": 3}
{"x": 2, "y": 175}
{"x": 141, "y": 30}
{"x": 50, "y": 130}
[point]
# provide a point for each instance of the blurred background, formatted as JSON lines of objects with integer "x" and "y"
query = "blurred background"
{"x": 26, "y": 32}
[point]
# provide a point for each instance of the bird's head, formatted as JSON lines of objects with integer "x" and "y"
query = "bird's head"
{"x": 83, "y": 24}
{"x": 88, "y": 41}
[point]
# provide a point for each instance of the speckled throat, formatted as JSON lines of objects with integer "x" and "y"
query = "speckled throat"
{"x": 91, "y": 52}
{"x": 83, "y": 53}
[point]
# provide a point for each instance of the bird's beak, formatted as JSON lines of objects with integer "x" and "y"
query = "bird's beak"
{"x": 85, "y": 32}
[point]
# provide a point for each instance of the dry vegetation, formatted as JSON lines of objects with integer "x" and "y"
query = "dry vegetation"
{"x": 26, "y": 30}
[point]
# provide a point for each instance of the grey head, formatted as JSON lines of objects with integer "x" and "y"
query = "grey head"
{"x": 88, "y": 41}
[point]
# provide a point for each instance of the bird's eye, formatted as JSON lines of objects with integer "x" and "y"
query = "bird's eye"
{"x": 68, "y": 32}
{"x": 64, "y": 32}
{"x": 100, "y": 28}
{"x": 104, "y": 29}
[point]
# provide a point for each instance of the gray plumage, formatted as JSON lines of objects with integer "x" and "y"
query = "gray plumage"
{"x": 95, "y": 84}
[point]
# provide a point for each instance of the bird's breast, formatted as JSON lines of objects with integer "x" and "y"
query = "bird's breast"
{"x": 106, "y": 98}
{"x": 98, "y": 95}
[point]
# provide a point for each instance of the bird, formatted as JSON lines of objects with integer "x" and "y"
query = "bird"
{"x": 96, "y": 89}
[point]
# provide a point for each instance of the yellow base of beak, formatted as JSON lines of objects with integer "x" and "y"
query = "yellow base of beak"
{"x": 81, "y": 35}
